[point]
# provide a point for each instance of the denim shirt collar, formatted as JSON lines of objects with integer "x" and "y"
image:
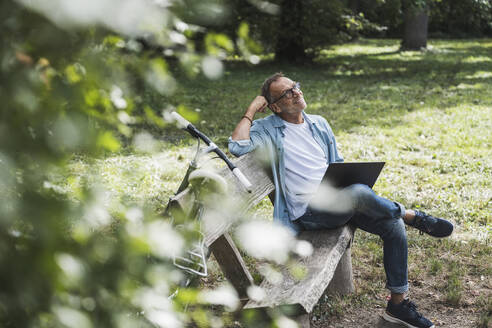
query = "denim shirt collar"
{"x": 278, "y": 122}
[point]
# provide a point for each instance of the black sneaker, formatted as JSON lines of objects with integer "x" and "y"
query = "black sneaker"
{"x": 433, "y": 226}
{"x": 406, "y": 314}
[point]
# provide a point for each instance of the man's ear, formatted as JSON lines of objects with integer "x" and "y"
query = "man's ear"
{"x": 275, "y": 108}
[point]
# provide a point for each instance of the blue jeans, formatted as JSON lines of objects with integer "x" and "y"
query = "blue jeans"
{"x": 376, "y": 215}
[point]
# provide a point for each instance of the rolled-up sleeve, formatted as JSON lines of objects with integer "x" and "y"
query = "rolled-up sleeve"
{"x": 239, "y": 147}
{"x": 256, "y": 139}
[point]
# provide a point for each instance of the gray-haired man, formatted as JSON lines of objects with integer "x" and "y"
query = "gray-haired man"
{"x": 300, "y": 148}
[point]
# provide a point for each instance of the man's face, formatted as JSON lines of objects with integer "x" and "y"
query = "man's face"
{"x": 286, "y": 105}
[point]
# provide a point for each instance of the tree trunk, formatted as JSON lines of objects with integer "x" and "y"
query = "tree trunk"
{"x": 415, "y": 33}
{"x": 289, "y": 47}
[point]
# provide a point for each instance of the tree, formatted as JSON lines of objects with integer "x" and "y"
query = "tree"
{"x": 291, "y": 43}
{"x": 416, "y": 22}
{"x": 295, "y": 31}
{"x": 461, "y": 18}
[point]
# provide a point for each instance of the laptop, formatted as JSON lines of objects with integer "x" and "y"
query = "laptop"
{"x": 343, "y": 174}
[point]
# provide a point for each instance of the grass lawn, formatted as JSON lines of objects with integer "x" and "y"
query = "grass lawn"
{"x": 427, "y": 114}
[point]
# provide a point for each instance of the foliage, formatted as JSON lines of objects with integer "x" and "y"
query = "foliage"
{"x": 296, "y": 31}
{"x": 302, "y": 28}
{"x": 446, "y": 18}
{"x": 387, "y": 13}
{"x": 74, "y": 84}
{"x": 462, "y": 18}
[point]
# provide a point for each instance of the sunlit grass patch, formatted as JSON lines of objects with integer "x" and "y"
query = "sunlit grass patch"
{"x": 138, "y": 178}
{"x": 478, "y": 59}
{"x": 365, "y": 47}
{"x": 435, "y": 159}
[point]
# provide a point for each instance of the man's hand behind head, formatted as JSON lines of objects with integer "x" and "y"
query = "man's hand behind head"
{"x": 259, "y": 104}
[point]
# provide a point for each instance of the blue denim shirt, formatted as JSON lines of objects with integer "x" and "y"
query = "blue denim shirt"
{"x": 268, "y": 134}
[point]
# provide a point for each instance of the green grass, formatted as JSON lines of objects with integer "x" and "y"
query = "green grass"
{"x": 454, "y": 287}
{"x": 435, "y": 266}
{"x": 427, "y": 114}
{"x": 486, "y": 316}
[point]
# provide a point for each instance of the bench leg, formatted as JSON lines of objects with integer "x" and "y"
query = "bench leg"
{"x": 342, "y": 282}
{"x": 232, "y": 264}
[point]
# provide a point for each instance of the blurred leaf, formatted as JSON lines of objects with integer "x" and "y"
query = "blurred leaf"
{"x": 246, "y": 44}
{"x": 113, "y": 40}
{"x": 74, "y": 73}
{"x": 187, "y": 113}
{"x": 153, "y": 118}
{"x": 187, "y": 296}
{"x": 159, "y": 78}
{"x": 217, "y": 42}
{"x": 243, "y": 30}
{"x": 107, "y": 141}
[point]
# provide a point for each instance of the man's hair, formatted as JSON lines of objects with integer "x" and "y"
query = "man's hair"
{"x": 265, "y": 89}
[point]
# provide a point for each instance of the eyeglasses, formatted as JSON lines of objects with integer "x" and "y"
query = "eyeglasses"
{"x": 289, "y": 93}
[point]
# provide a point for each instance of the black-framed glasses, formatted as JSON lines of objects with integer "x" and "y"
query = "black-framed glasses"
{"x": 289, "y": 93}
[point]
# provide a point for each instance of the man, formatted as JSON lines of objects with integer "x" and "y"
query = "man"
{"x": 300, "y": 147}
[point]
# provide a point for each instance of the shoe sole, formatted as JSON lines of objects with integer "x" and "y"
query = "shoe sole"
{"x": 392, "y": 319}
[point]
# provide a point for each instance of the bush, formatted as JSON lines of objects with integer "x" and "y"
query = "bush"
{"x": 461, "y": 18}
{"x": 453, "y": 18}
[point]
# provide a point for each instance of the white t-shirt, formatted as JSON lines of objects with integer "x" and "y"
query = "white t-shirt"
{"x": 305, "y": 166}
